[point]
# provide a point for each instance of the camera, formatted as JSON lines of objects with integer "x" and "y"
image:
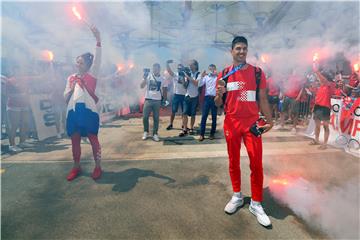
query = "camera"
{"x": 146, "y": 72}
{"x": 184, "y": 70}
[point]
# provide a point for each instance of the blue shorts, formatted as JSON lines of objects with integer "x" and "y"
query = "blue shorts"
{"x": 177, "y": 99}
{"x": 190, "y": 105}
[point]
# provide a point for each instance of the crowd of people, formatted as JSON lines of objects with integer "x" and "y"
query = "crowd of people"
{"x": 294, "y": 99}
{"x": 17, "y": 87}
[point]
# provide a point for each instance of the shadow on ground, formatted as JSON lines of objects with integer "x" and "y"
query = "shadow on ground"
{"x": 126, "y": 180}
{"x": 110, "y": 126}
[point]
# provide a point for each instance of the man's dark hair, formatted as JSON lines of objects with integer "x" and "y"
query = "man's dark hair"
{"x": 212, "y": 65}
{"x": 238, "y": 39}
{"x": 196, "y": 64}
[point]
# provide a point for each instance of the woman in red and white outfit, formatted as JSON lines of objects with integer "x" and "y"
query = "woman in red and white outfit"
{"x": 242, "y": 111}
{"x": 82, "y": 118}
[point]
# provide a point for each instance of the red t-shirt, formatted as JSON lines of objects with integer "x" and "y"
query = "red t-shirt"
{"x": 273, "y": 87}
{"x": 323, "y": 95}
{"x": 338, "y": 92}
{"x": 241, "y": 93}
{"x": 292, "y": 86}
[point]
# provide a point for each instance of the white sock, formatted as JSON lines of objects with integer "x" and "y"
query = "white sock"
{"x": 254, "y": 203}
{"x": 238, "y": 194}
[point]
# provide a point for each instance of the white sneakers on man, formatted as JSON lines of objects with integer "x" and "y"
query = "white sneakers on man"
{"x": 145, "y": 136}
{"x": 15, "y": 149}
{"x": 256, "y": 209}
{"x": 235, "y": 202}
{"x": 156, "y": 138}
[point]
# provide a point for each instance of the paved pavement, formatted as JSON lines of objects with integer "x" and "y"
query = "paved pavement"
{"x": 173, "y": 189}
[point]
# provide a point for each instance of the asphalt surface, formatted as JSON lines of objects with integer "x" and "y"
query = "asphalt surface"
{"x": 173, "y": 189}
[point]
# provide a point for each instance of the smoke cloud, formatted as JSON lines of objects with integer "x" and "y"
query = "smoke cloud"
{"x": 130, "y": 31}
{"x": 334, "y": 210}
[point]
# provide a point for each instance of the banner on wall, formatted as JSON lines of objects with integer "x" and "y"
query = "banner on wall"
{"x": 344, "y": 125}
{"x": 44, "y": 116}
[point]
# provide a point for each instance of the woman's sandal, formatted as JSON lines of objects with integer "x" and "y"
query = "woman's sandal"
{"x": 183, "y": 133}
{"x": 322, "y": 147}
{"x": 313, "y": 142}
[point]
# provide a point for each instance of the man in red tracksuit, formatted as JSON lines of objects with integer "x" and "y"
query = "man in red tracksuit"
{"x": 242, "y": 112}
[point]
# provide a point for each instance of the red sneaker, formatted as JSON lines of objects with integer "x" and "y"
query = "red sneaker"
{"x": 96, "y": 173}
{"x": 73, "y": 174}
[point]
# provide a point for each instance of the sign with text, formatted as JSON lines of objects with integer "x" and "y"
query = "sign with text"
{"x": 44, "y": 115}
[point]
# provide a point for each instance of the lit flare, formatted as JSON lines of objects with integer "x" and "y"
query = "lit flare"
{"x": 356, "y": 67}
{"x": 48, "y": 55}
{"x": 280, "y": 181}
{"x": 315, "y": 57}
{"x": 76, "y": 13}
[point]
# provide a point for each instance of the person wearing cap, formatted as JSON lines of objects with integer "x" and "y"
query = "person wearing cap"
{"x": 242, "y": 111}
{"x": 82, "y": 118}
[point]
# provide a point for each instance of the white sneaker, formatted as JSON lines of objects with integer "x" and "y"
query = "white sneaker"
{"x": 277, "y": 127}
{"x": 234, "y": 204}
{"x": 293, "y": 131}
{"x": 14, "y": 149}
{"x": 256, "y": 209}
{"x": 156, "y": 138}
{"x": 145, "y": 136}
{"x": 58, "y": 135}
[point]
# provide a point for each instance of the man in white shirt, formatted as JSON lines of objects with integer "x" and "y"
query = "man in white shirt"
{"x": 209, "y": 80}
{"x": 155, "y": 90}
{"x": 191, "y": 98}
{"x": 179, "y": 92}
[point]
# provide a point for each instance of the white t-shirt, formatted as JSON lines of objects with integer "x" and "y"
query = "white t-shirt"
{"x": 193, "y": 90}
{"x": 178, "y": 85}
{"x": 154, "y": 87}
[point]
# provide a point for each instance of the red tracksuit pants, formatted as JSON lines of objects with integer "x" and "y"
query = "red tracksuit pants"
{"x": 234, "y": 131}
{"x": 76, "y": 149}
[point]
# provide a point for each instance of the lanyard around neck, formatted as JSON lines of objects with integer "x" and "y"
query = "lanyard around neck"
{"x": 235, "y": 69}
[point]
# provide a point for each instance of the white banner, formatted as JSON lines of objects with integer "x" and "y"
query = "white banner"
{"x": 344, "y": 125}
{"x": 44, "y": 115}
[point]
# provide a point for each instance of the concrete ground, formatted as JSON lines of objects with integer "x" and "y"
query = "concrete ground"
{"x": 173, "y": 189}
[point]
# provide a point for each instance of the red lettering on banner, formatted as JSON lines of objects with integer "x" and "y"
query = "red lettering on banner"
{"x": 356, "y": 127}
{"x": 346, "y": 125}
